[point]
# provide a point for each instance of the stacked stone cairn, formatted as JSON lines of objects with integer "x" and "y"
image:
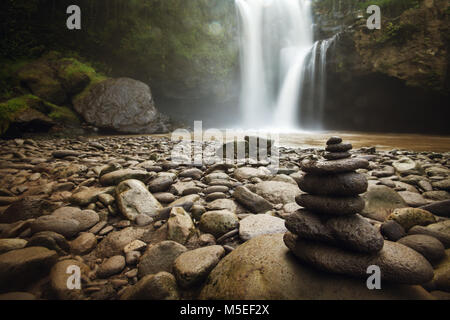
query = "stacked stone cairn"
{"x": 331, "y": 236}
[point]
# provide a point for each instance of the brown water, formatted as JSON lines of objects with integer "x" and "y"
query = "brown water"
{"x": 382, "y": 141}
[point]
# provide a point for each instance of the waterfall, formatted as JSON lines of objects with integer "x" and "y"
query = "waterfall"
{"x": 313, "y": 97}
{"x": 254, "y": 94}
{"x": 278, "y": 56}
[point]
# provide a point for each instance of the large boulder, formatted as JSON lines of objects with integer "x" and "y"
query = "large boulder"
{"x": 123, "y": 105}
{"x": 41, "y": 79}
{"x": 263, "y": 268}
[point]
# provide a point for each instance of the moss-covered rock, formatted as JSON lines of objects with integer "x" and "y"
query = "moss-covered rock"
{"x": 182, "y": 49}
{"x": 39, "y": 77}
{"x": 57, "y": 79}
{"x": 30, "y": 113}
{"x": 412, "y": 47}
{"x": 76, "y": 76}
{"x": 19, "y": 111}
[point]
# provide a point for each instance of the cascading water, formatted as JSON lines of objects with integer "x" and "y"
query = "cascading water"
{"x": 314, "y": 91}
{"x": 277, "y": 59}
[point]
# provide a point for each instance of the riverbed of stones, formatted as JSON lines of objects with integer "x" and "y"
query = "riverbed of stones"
{"x": 138, "y": 224}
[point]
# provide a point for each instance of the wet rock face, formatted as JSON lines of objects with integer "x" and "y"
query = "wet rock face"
{"x": 377, "y": 84}
{"x": 123, "y": 105}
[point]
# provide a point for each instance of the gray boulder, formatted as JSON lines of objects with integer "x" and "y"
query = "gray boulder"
{"x": 123, "y": 105}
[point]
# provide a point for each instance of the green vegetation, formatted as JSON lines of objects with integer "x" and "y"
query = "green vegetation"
{"x": 390, "y": 8}
{"x": 176, "y": 44}
{"x": 9, "y": 110}
{"x": 9, "y": 85}
{"x": 75, "y": 68}
{"x": 64, "y": 115}
{"x": 397, "y": 33}
{"x": 73, "y": 71}
{"x": 13, "y": 107}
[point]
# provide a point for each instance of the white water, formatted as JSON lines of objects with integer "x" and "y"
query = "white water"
{"x": 315, "y": 73}
{"x": 277, "y": 57}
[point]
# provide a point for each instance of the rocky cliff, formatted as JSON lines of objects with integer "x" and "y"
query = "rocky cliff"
{"x": 395, "y": 78}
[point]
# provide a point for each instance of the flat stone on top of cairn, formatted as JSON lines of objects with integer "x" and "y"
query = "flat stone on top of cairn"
{"x": 334, "y": 140}
{"x": 330, "y": 235}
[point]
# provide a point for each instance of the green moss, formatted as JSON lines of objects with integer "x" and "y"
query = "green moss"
{"x": 391, "y": 8}
{"x": 398, "y": 33}
{"x": 9, "y": 84}
{"x": 10, "y": 108}
{"x": 74, "y": 67}
{"x": 64, "y": 115}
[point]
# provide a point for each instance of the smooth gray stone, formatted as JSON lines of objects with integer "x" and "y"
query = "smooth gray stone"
{"x": 340, "y": 147}
{"x": 344, "y": 184}
{"x": 337, "y": 206}
{"x": 333, "y": 166}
